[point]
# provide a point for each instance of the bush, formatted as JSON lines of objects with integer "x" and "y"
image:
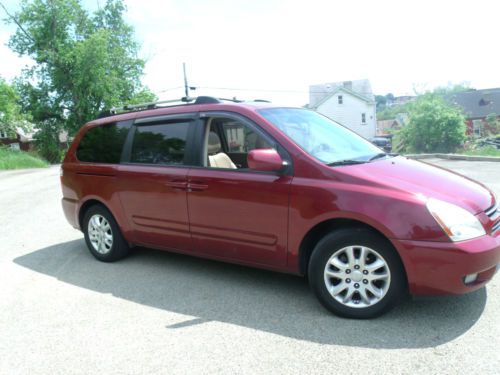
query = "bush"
{"x": 47, "y": 143}
{"x": 434, "y": 126}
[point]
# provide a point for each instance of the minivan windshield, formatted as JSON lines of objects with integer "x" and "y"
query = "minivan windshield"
{"x": 321, "y": 137}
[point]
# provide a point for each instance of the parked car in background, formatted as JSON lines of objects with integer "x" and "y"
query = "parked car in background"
{"x": 285, "y": 189}
{"x": 383, "y": 142}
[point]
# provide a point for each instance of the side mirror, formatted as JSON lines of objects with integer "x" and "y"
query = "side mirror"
{"x": 265, "y": 159}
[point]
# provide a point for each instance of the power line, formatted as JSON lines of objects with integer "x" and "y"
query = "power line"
{"x": 170, "y": 89}
{"x": 260, "y": 90}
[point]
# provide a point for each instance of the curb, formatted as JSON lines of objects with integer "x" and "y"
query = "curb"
{"x": 453, "y": 157}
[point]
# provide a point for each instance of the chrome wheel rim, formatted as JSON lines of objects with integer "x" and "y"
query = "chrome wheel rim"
{"x": 100, "y": 234}
{"x": 357, "y": 276}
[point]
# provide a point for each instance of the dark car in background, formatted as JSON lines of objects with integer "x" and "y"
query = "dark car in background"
{"x": 384, "y": 143}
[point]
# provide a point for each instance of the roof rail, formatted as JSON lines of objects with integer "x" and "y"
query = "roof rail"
{"x": 152, "y": 105}
{"x": 173, "y": 102}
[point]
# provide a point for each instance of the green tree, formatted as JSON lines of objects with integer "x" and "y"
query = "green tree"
{"x": 84, "y": 62}
{"x": 452, "y": 88}
{"x": 493, "y": 124}
{"x": 10, "y": 110}
{"x": 434, "y": 126}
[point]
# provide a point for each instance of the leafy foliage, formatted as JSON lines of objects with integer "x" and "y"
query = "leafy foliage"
{"x": 83, "y": 62}
{"x": 47, "y": 142}
{"x": 434, "y": 126}
{"x": 382, "y": 101}
{"x": 388, "y": 113}
{"x": 493, "y": 124}
{"x": 10, "y": 111}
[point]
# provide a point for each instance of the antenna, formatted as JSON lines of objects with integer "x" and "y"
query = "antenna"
{"x": 186, "y": 87}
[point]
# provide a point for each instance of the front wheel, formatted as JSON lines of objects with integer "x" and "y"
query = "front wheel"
{"x": 356, "y": 273}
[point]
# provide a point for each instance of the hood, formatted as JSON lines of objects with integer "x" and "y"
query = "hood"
{"x": 403, "y": 174}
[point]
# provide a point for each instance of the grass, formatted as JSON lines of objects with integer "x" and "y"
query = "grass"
{"x": 13, "y": 159}
{"x": 483, "y": 151}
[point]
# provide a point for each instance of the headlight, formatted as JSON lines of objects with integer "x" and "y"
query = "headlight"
{"x": 456, "y": 222}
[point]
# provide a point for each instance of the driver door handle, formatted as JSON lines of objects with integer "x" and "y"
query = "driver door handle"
{"x": 196, "y": 186}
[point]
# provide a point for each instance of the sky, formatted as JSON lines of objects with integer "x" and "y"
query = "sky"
{"x": 269, "y": 49}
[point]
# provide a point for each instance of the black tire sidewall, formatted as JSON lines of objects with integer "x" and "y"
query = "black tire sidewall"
{"x": 119, "y": 249}
{"x": 339, "y": 239}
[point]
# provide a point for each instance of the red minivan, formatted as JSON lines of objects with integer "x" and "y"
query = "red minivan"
{"x": 284, "y": 189}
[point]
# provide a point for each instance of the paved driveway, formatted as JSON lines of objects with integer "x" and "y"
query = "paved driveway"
{"x": 154, "y": 312}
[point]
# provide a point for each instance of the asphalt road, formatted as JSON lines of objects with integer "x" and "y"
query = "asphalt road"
{"x": 62, "y": 312}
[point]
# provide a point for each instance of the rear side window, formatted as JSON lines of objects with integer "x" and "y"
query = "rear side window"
{"x": 103, "y": 144}
{"x": 160, "y": 144}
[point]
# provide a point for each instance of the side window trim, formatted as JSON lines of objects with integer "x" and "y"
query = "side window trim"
{"x": 253, "y": 126}
{"x": 127, "y": 146}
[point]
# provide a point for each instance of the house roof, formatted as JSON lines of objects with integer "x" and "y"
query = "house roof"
{"x": 361, "y": 87}
{"x": 478, "y": 103}
{"x": 336, "y": 91}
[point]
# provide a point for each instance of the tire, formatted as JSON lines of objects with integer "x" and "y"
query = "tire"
{"x": 356, "y": 273}
{"x": 103, "y": 236}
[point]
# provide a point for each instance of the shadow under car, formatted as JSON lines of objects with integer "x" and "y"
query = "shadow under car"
{"x": 267, "y": 301}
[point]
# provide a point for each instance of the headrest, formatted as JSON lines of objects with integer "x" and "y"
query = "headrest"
{"x": 214, "y": 144}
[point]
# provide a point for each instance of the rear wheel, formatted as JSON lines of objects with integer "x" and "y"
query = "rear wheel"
{"x": 356, "y": 273}
{"x": 103, "y": 236}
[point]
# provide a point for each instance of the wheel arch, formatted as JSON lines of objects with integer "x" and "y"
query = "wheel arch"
{"x": 316, "y": 233}
{"x": 86, "y": 205}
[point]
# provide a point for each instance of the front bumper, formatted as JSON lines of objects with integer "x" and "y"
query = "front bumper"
{"x": 440, "y": 267}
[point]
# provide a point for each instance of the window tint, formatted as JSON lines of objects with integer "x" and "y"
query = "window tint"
{"x": 160, "y": 144}
{"x": 240, "y": 138}
{"x": 103, "y": 144}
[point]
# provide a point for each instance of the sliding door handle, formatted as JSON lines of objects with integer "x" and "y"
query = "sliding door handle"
{"x": 175, "y": 184}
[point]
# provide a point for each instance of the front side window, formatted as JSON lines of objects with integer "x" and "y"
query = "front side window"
{"x": 319, "y": 136}
{"x": 240, "y": 138}
{"x": 229, "y": 141}
{"x": 103, "y": 144}
{"x": 160, "y": 144}
{"x": 340, "y": 99}
{"x": 363, "y": 118}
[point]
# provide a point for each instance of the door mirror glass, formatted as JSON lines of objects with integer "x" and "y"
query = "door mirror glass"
{"x": 265, "y": 159}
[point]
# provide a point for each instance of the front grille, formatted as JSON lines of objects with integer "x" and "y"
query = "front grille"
{"x": 494, "y": 213}
{"x": 495, "y": 227}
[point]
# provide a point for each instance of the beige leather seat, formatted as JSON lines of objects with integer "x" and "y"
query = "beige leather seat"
{"x": 217, "y": 159}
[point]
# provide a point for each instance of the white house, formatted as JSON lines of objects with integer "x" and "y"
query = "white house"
{"x": 350, "y": 103}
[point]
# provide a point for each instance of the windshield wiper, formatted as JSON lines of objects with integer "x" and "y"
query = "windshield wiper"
{"x": 345, "y": 162}
{"x": 382, "y": 154}
{"x": 378, "y": 156}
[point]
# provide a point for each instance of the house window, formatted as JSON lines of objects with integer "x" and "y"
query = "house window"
{"x": 363, "y": 118}
{"x": 477, "y": 127}
{"x": 3, "y": 134}
{"x": 341, "y": 99}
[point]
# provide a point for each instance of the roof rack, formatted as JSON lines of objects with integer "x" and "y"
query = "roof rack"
{"x": 173, "y": 102}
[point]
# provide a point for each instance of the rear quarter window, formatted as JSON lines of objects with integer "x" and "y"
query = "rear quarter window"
{"x": 103, "y": 144}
